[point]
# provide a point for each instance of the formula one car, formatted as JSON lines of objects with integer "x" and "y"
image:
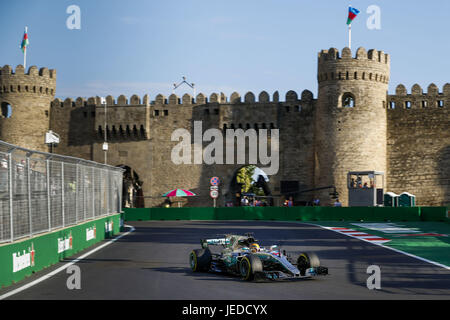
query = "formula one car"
{"x": 242, "y": 256}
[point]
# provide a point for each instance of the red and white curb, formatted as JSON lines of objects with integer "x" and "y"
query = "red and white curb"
{"x": 359, "y": 235}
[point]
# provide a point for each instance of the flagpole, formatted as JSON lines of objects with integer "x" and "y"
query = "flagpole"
{"x": 350, "y": 36}
{"x": 25, "y": 53}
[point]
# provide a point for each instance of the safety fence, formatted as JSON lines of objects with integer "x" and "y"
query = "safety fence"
{"x": 41, "y": 192}
{"x": 290, "y": 213}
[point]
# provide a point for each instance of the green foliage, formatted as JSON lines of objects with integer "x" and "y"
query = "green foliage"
{"x": 245, "y": 177}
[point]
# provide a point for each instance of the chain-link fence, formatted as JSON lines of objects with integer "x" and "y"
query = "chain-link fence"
{"x": 40, "y": 192}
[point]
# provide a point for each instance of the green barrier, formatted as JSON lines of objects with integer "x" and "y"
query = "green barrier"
{"x": 22, "y": 258}
{"x": 136, "y": 214}
{"x": 286, "y": 213}
{"x": 434, "y": 214}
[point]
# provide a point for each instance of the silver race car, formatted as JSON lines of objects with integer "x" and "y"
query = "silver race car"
{"x": 242, "y": 256}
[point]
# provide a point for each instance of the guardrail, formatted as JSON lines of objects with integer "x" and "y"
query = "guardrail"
{"x": 41, "y": 192}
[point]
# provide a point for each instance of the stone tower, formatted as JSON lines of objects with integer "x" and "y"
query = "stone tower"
{"x": 351, "y": 118}
{"x": 25, "y": 100}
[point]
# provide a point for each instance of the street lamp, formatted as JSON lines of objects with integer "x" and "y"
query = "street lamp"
{"x": 175, "y": 86}
{"x": 105, "y": 143}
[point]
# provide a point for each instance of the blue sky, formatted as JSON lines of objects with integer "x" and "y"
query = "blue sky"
{"x": 143, "y": 47}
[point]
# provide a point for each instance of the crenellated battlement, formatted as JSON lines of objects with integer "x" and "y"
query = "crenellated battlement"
{"x": 372, "y": 65}
{"x": 32, "y": 71}
{"x": 36, "y": 81}
{"x": 417, "y": 99}
{"x": 361, "y": 54}
{"x": 187, "y": 99}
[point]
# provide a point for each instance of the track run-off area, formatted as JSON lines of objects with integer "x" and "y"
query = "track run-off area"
{"x": 150, "y": 261}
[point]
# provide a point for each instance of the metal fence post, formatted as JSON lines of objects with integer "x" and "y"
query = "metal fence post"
{"x": 85, "y": 193}
{"x": 11, "y": 202}
{"x": 105, "y": 180}
{"x": 93, "y": 192}
{"x": 76, "y": 194}
{"x": 48, "y": 195}
{"x": 29, "y": 194}
{"x": 62, "y": 194}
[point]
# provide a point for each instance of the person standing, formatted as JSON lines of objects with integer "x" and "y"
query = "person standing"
{"x": 337, "y": 203}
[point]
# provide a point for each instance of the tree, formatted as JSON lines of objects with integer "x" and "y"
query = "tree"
{"x": 245, "y": 177}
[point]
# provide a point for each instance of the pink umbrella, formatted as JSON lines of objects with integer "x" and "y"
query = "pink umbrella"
{"x": 179, "y": 193}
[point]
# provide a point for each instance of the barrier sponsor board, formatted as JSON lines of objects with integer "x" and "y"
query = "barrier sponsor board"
{"x": 109, "y": 226}
{"x": 23, "y": 260}
{"x": 65, "y": 243}
{"x": 91, "y": 233}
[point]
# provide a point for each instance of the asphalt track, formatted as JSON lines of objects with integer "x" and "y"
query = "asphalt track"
{"x": 152, "y": 263}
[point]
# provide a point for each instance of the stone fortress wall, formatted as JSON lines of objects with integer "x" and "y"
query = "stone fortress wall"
{"x": 320, "y": 139}
{"x": 29, "y": 96}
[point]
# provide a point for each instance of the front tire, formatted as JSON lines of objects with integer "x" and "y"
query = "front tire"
{"x": 249, "y": 266}
{"x": 200, "y": 260}
{"x": 307, "y": 260}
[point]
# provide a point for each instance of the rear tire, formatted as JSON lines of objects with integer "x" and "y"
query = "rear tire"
{"x": 249, "y": 266}
{"x": 307, "y": 260}
{"x": 200, "y": 260}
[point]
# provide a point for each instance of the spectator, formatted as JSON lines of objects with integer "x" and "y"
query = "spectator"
{"x": 316, "y": 202}
{"x": 353, "y": 183}
{"x": 337, "y": 203}
{"x": 359, "y": 182}
{"x": 365, "y": 185}
{"x": 290, "y": 202}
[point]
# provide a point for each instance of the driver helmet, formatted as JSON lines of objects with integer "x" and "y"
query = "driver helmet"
{"x": 254, "y": 247}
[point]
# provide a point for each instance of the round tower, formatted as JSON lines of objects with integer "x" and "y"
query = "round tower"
{"x": 25, "y": 100}
{"x": 351, "y": 122}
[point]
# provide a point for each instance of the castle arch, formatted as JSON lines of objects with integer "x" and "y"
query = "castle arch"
{"x": 132, "y": 192}
{"x": 251, "y": 183}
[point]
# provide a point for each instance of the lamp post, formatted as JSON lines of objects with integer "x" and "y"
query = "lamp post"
{"x": 175, "y": 86}
{"x": 105, "y": 143}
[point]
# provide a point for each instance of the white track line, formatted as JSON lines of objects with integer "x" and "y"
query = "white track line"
{"x": 390, "y": 248}
{"x": 54, "y": 272}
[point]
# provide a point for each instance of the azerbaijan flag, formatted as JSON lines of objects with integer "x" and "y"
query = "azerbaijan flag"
{"x": 352, "y": 13}
{"x": 25, "y": 42}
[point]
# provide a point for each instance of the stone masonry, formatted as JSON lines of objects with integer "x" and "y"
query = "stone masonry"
{"x": 405, "y": 135}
